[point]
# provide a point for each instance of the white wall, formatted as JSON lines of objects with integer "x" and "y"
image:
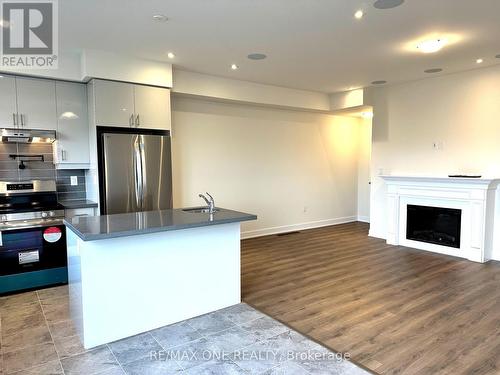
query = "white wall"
{"x": 460, "y": 112}
{"x": 108, "y": 65}
{"x": 364, "y": 177}
{"x": 270, "y": 162}
{"x": 204, "y": 85}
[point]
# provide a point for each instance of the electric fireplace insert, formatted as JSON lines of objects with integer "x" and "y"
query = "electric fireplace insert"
{"x": 436, "y": 225}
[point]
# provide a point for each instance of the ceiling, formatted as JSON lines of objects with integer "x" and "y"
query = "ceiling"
{"x": 311, "y": 44}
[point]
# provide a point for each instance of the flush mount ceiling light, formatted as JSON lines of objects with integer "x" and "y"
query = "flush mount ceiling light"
{"x": 359, "y": 14}
{"x": 380, "y": 82}
{"x": 433, "y": 70}
{"x": 234, "y": 67}
{"x": 479, "y": 61}
{"x": 170, "y": 55}
{"x": 387, "y": 4}
{"x": 431, "y": 45}
{"x": 257, "y": 56}
{"x": 432, "y": 42}
{"x": 160, "y": 18}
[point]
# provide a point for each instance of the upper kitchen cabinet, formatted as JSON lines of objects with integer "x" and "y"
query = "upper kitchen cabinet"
{"x": 152, "y": 107}
{"x": 72, "y": 146}
{"x": 8, "y": 104}
{"x": 114, "y": 103}
{"x": 131, "y": 105}
{"x": 36, "y": 103}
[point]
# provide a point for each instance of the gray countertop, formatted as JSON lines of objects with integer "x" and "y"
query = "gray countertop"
{"x": 91, "y": 228}
{"x": 78, "y": 203}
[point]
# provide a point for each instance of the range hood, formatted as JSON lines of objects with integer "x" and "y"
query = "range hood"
{"x": 28, "y": 136}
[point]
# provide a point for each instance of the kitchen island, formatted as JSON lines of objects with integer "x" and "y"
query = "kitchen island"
{"x": 131, "y": 273}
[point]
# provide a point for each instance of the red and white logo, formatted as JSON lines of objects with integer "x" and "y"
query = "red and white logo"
{"x": 52, "y": 234}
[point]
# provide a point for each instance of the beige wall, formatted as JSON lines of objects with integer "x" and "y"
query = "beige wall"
{"x": 293, "y": 169}
{"x": 459, "y": 112}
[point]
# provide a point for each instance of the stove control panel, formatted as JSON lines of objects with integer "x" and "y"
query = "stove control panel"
{"x": 13, "y": 187}
{"x": 34, "y": 215}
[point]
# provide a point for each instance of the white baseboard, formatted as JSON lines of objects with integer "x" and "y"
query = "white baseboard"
{"x": 295, "y": 227}
{"x": 364, "y": 219}
{"x": 372, "y": 233}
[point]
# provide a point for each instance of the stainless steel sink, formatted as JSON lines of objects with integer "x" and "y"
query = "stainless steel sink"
{"x": 199, "y": 210}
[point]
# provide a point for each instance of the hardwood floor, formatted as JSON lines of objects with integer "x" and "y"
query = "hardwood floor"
{"x": 395, "y": 310}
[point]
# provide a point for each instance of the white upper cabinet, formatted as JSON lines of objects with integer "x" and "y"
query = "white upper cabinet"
{"x": 72, "y": 145}
{"x": 36, "y": 103}
{"x": 114, "y": 103}
{"x": 130, "y": 105}
{"x": 8, "y": 105}
{"x": 152, "y": 107}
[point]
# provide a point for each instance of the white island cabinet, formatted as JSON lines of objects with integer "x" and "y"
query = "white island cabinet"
{"x": 131, "y": 273}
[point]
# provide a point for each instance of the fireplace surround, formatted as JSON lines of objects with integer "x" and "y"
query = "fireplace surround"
{"x": 461, "y": 210}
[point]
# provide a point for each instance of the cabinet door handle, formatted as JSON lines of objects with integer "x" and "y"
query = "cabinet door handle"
{"x": 137, "y": 121}
{"x": 131, "y": 120}
{"x": 14, "y": 119}
{"x": 63, "y": 155}
{"x": 22, "y": 120}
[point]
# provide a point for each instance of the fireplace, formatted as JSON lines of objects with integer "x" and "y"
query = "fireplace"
{"x": 436, "y": 225}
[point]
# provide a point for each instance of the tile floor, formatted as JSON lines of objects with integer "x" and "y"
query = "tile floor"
{"x": 37, "y": 337}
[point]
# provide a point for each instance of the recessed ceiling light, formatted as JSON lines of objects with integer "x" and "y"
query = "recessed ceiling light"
{"x": 256, "y": 56}
{"x": 359, "y": 14}
{"x": 160, "y": 18}
{"x": 433, "y": 70}
{"x": 431, "y": 45}
{"x": 170, "y": 55}
{"x": 234, "y": 67}
{"x": 479, "y": 61}
{"x": 381, "y": 82}
{"x": 387, "y": 4}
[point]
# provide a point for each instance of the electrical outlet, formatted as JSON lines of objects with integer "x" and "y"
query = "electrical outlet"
{"x": 438, "y": 145}
{"x": 74, "y": 180}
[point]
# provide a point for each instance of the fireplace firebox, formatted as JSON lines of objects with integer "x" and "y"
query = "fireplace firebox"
{"x": 436, "y": 225}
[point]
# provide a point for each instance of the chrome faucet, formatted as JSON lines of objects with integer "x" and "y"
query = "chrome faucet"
{"x": 210, "y": 202}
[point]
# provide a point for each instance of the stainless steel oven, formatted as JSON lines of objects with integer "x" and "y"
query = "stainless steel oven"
{"x": 32, "y": 236}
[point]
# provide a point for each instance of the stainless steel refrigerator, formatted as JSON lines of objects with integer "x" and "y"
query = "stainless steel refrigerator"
{"x": 134, "y": 170}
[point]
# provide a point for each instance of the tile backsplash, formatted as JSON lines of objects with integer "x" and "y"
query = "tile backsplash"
{"x": 38, "y": 170}
{"x": 65, "y": 191}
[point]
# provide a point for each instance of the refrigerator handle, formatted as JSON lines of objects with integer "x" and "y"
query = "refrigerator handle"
{"x": 137, "y": 174}
{"x": 143, "y": 171}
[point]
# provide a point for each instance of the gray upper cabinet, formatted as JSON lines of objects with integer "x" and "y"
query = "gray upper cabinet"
{"x": 8, "y": 103}
{"x": 152, "y": 107}
{"x": 36, "y": 103}
{"x": 130, "y": 105}
{"x": 72, "y": 146}
{"x": 114, "y": 103}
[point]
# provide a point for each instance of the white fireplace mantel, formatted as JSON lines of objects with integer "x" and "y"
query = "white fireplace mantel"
{"x": 475, "y": 197}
